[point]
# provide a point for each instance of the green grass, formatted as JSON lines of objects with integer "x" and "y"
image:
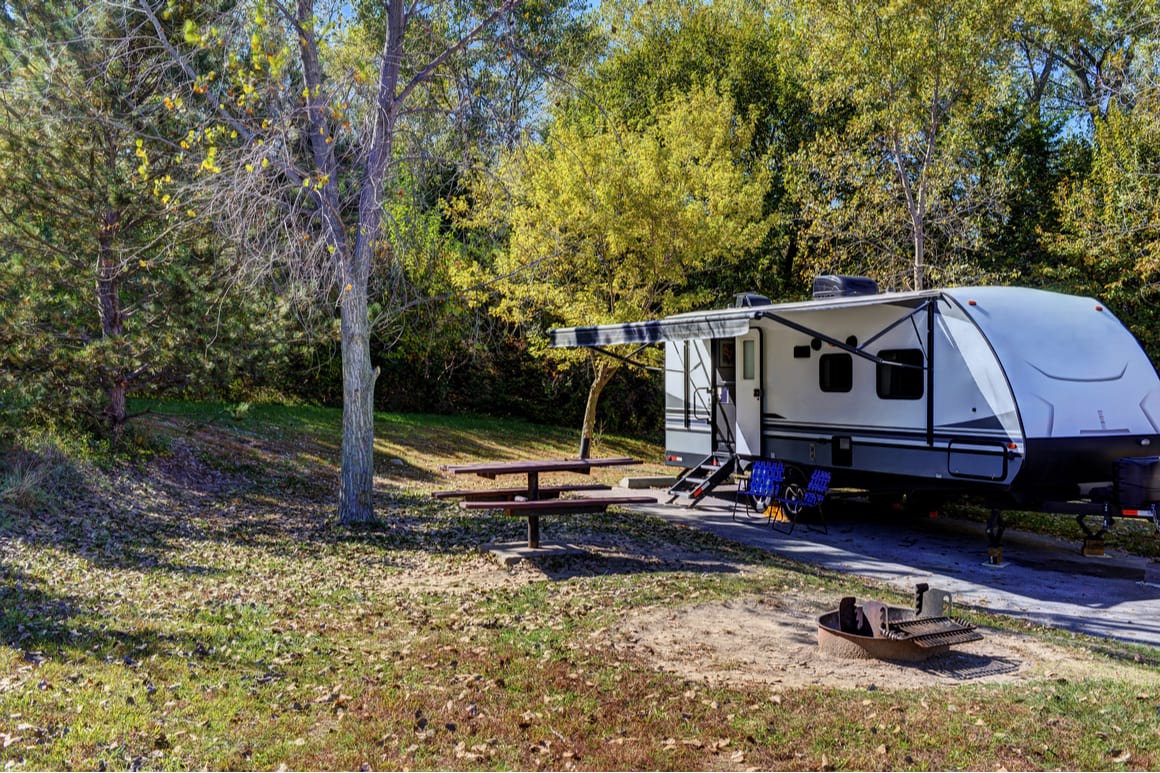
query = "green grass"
{"x": 199, "y": 608}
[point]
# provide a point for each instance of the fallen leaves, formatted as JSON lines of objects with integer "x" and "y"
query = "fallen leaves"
{"x": 475, "y": 753}
{"x": 216, "y": 609}
{"x": 712, "y": 746}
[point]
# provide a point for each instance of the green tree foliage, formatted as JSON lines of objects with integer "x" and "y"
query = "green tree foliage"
{"x": 660, "y": 50}
{"x": 442, "y": 355}
{"x": 1099, "y": 69}
{"x": 1108, "y": 242}
{"x": 97, "y": 278}
{"x": 299, "y": 126}
{"x": 1084, "y": 57}
{"x": 680, "y": 152}
{"x": 608, "y": 225}
{"x": 1022, "y": 159}
{"x": 900, "y": 174}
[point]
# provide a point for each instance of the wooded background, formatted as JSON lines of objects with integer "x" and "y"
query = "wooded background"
{"x": 217, "y": 199}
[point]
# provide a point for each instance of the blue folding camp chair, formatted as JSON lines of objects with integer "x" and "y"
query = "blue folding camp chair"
{"x": 794, "y": 500}
{"x": 762, "y": 487}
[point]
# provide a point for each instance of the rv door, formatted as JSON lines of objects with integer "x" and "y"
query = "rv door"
{"x": 750, "y": 393}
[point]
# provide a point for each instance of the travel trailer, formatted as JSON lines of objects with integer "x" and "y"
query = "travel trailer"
{"x": 1029, "y": 398}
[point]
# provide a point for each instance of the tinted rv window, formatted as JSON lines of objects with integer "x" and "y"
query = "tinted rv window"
{"x": 836, "y": 372}
{"x": 895, "y": 383}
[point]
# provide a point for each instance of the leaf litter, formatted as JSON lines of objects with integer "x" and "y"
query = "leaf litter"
{"x": 189, "y": 601}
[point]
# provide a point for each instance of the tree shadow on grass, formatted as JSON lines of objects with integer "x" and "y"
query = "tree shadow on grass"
{"x": 42, "y": 625}
{"x": 155, "y": 516}
{"x": 617, "y": 542}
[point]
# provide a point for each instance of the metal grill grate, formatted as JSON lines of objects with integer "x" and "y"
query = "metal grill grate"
{"x": 933, "y": 631}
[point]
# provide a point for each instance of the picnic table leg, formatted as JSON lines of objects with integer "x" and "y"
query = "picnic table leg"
{"x": 533, "y": 519}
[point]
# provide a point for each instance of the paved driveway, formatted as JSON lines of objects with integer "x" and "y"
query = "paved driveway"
{"x": 1045, "y": 580}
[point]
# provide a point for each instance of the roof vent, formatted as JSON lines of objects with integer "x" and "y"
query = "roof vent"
{"x": 833, "y": 286}
{"x": 745, "y": 300}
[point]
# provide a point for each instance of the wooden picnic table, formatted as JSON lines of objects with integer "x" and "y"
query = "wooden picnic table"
{"x": 531, "y": 501}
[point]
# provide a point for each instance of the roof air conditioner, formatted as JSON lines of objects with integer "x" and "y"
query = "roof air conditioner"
{"x": 833, "y": 286}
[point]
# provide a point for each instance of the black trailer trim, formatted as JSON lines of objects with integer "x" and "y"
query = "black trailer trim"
{"x": 931, "y": 310}
{"x": 774, "y": 424}
{"x": 899, "y": 440}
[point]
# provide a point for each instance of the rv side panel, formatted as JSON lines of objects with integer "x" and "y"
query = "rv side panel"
{"x": 688, "y": 402}
{"x": 867, "y": 418}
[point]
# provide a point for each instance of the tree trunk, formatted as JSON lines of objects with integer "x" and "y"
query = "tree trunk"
{"x": 356, "y": 494}
{"x": 112, "y": 317}
{"x": 605, "y": 370}
{"x": 356, "y": 491}
{"x": 919, "y": 254}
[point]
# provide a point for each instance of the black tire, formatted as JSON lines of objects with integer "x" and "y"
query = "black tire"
{"x": 793, "y": 490}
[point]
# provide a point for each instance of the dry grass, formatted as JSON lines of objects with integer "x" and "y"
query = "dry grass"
{"x": 199, "y": 609}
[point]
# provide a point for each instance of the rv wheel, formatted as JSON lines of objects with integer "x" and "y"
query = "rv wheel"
{"x": 794, "y": 491}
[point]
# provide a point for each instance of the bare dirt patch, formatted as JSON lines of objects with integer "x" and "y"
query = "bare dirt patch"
{"x": 768, "y": 639}
{"x": 773, "y": 640}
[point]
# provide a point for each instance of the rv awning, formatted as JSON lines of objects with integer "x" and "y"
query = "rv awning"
{"x": 654, "y": 331}
{"x": 725, "y": 323}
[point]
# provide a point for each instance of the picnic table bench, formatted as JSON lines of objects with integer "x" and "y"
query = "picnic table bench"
{"x": 545, "y": 506}
{"x": 532, "y": 501}
{"x": 515, "y": 492}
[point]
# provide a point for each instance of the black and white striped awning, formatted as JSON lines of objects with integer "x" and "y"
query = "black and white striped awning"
{"x": 682, "y": 327}
{"x": 723, "y": 323}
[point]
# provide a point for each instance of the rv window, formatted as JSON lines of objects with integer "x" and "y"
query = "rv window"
{"x": 901, "y": 383}
{"x": 748, "y": 366}
{"x": 726, "y": 357}
{"x": 836, "y": 372}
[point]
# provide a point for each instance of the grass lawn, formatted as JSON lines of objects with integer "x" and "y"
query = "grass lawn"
{"x": 199, "y": 608}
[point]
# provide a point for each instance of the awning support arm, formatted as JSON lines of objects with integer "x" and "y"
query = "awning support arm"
{"x": 854, "y": 350}
{"x": 629, "y": 359}
{"x": 918, "y": 310}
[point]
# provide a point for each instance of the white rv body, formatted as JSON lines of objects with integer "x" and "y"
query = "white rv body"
{"x": 1023, "y": 393}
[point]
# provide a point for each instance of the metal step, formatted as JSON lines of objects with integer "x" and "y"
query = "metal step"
{"x": 698, "y": 481}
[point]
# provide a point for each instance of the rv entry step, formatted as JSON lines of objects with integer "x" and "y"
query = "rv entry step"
{"x": 696, "y": 482}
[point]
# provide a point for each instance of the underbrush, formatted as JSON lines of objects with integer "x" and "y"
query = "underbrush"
{"x": 39, "y": 469}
